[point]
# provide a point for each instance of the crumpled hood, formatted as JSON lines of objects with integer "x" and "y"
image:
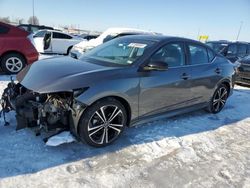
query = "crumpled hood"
{"x": 60, "y": 74}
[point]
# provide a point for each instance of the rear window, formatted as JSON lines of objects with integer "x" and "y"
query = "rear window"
{"x": 40, "y": 34}
{"x": 3, "y": 29}
{"x": 61, "y": 36}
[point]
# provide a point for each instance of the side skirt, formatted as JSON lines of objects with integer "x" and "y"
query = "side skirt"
{"x": 146, "y": 119}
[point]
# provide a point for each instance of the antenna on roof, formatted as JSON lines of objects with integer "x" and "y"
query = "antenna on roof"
{"x": 241, "y": 23}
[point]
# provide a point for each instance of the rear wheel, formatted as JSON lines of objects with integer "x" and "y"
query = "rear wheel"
{"x": 218, "y": 100}
{"x": 13, "y": 63}
{"x": 103, "y": 122}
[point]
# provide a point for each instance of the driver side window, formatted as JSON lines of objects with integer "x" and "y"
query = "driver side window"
{"x": 172, "y": 54}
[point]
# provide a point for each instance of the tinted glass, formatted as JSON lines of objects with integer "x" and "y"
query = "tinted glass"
{"x": 248, "y": 51}
{"x": 61, "y": 36}
{"x": 34, "y": 29}
{"x": 119, "y": 51}
{"x": 40, "y": 34}
{"x": 172, "y": 54}
{"x": 218, "y": 47}
{"x": 3, "y": 29}
{"x": 232, "y": 49}
{"x": 242, "y": 50}
{"x": 198, "y": 54}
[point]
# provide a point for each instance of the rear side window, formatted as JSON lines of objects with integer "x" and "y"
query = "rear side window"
{"x": 248, "y": 51}
{"x": 61, "y": 36}
{"x": 3, "y": 29}
{"x": 242, "y": 50}
{"x": 198, "y": 54}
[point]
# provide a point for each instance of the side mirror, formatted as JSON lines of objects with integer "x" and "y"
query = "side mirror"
{"x": 156, "y": 65}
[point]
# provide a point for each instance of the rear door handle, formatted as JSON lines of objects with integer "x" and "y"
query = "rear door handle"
{"x": 185, "y": 76}
{"x": 218, "y": 71}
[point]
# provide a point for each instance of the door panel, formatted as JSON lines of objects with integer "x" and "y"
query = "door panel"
{"x": 164, "y": 90}
{"x": 206, "y": 72}
{"x": 169, "y": 89}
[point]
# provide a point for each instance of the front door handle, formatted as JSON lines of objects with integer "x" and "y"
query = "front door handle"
{"x": 218, "y": 71}
{"x": 185, "y": 76}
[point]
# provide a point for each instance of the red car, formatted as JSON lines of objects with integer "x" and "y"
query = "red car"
{"x": 16, "y": 49}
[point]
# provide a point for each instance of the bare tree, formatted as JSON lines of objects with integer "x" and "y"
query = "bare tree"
{"x": 5, "y": 19}
{"x": 33, "y": 20}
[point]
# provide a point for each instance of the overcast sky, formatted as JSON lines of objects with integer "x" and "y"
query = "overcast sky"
{"x": 220, "y": 19}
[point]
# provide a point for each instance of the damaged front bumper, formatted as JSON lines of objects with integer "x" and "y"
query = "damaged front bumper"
{"x": 51, "y": 113}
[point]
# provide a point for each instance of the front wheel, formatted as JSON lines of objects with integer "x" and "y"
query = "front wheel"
{"x": 103, "y": 122}
{"x": 219, "y": 99}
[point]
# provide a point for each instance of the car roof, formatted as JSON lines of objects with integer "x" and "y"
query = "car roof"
{"x": 159, "y": 38}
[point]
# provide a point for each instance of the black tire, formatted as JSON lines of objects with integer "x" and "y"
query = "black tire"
{"x": 12, "y": 63}
{"x": 90, "y": 122}
{"x": 218, "y": 100}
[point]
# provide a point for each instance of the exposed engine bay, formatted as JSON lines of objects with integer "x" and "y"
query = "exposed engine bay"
{"x": 51, "y": 113}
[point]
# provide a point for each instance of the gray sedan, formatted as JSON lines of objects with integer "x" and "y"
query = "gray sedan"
{"x": 120, "y": 83}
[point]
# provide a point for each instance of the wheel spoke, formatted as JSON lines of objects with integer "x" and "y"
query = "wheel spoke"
{"x": 94, "y": 128}
{"x": 100, "y": 117}
{"x": 103, "y": 114}
{"x": 118, "y": 130}
{"x": 218, "y": 107}
{"x": 113, "y": 113}
{"x": 224, "y": 93}
{"x": 223, "y": 102}
{"x": 103, "y": 136}
{"x": 116, "y": 125}
{"x": 115, "y": 116}
{"x": 107, "y": 137}
{"x": 96, "y": 131}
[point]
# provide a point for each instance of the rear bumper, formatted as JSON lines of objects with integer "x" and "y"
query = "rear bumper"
{"x": 242, "y": 78}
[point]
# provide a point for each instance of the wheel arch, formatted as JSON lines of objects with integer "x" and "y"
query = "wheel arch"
{"x": 227, "y": 83}
{"x": 12, "y": 51}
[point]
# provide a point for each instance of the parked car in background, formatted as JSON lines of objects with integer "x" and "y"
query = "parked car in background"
{"x": 231, "y": 50}
{"x": 120, "y": 83}
{"x": 51, "y": 41}
{"x": 34, "y": 28}
{"x": 111, "y": 33}
{"x": 16, "y": 49}
{"x": 243, "y": 71}
{"x": 88, "y": 36}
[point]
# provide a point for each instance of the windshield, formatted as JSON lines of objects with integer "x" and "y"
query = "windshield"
{"x": 218, "y": 47}
{"x": 121, "y": 51}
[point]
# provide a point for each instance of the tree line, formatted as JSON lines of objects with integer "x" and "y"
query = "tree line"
{"x": 32, "y": 20}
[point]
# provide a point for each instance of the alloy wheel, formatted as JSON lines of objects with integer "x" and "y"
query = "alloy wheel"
{"x": 220, "y": 98}
{"x": 105, "y": 124}
{"x": 14, "y": 64}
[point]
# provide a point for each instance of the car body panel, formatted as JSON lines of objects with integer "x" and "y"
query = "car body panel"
{"x": 17, "y": 40}
{"x": 147, "y": 93}
{"x": 243, "y": 71}
{"x": 55, "y": 45}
